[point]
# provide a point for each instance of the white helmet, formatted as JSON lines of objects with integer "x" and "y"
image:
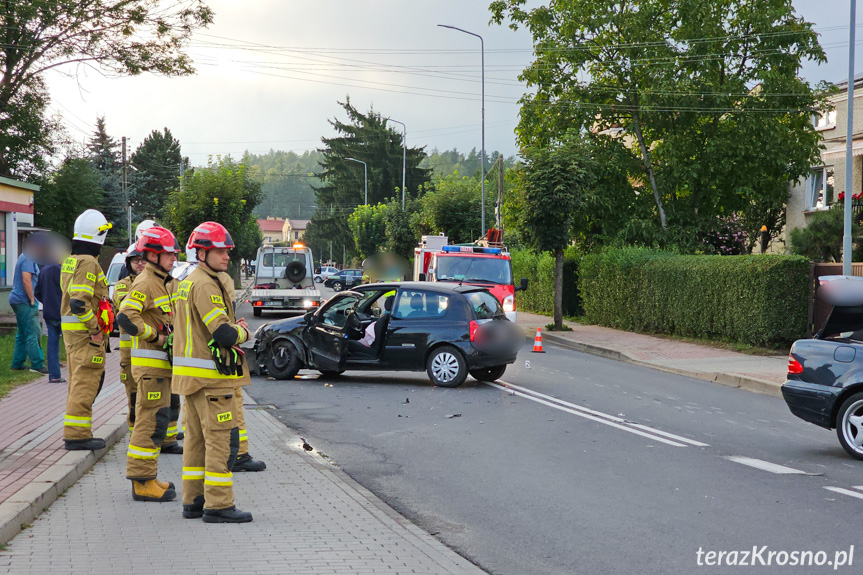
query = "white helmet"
{"x": 91, "y": 226}
{"x": 191, "y": 255}
{"x": 143, "y": 227}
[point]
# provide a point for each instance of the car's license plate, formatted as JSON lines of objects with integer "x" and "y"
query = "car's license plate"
{"x": 273, "y": 303}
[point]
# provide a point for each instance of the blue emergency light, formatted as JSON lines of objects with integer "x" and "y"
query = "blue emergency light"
{"x": 471, "y": 250}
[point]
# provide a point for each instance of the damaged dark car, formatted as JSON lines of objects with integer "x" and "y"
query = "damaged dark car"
{"x": 447, "y": 330}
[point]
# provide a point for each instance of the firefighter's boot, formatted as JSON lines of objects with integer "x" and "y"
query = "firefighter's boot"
{"x": 195, "y": 510}
{"x": 150, "y": 490}
{"x": 246, "y": 462}
{"x": 172, "y": 449}
{"x": 229, "y": 515}
{"x": 92, "y": 444}
{"x": 165, "y": 484}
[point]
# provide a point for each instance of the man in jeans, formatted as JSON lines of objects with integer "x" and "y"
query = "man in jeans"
{"x": 48, "y": 292}
{"x": 23, "y": 302}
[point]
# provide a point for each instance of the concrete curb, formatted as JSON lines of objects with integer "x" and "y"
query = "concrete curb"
{"x": 31, "y": 500}
{"x": 739, "y": 381}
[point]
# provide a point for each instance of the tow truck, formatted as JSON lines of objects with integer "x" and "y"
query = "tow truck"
{"x": 284, "y": 280}
{"x": 485, "y": 263}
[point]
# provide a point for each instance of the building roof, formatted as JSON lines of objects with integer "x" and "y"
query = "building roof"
{"x": 271, "y": 225}
{"x": 298, "y": 225}
{"x": 17, "y": 184}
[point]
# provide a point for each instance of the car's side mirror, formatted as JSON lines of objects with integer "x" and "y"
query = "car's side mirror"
{"x": 308, "y": 316}
{"x": 523, "y": 285}
{"x": 422, "y": 277}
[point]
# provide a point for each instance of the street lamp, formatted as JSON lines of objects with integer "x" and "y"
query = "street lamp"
{"x": 404, "y": 156}
{"x": 366, "y": 172}
{"x": 849, "y": 146}
{"x": 482, "y": 159}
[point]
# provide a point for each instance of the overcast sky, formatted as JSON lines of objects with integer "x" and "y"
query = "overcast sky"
{"x": 270, "y": 73}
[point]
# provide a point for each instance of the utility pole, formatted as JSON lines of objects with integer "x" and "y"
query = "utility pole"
{"x": 126, "y": 194}
{"x": 344, "y": 263}
{"x": 849, "y": 141}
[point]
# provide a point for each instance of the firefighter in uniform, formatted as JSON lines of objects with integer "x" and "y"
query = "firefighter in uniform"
{"x": 135, "y": 264}
{"x": 84, "y": 288}
{"x": 245, "y": 461}
{"x": 170, "y": 444}
{"x": 207, "y": 371}
{"x": 145, "y": 314}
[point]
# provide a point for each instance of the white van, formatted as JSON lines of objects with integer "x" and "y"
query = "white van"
{"x": 284, "y": 280}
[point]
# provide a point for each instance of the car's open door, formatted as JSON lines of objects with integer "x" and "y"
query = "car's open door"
{"x": 327, "y": 331}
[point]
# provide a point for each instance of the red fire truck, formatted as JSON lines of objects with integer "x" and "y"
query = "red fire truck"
{"x": 487, "y": 266}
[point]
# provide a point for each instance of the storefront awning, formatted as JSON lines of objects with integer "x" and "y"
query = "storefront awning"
{"x": 836, "y": 152}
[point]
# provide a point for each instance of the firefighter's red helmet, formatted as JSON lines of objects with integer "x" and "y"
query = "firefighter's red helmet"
{"x": 157, "y": 240}
{"x": 210, "y": 235}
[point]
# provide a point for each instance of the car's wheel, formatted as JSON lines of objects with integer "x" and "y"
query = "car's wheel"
{"x": 488, "y": 373}
{"x": 446, "y": 367}
{"x": 283, "y": 361}
{"x": 319, "y": 279}
{"x": 338, "y": 286}
{"x": 326, "y": 373}
{"x": 849, "y": 425}
{"x": 256, "y": 311}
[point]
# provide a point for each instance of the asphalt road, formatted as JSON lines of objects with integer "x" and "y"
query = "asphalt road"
{"x": 614, "y": 469}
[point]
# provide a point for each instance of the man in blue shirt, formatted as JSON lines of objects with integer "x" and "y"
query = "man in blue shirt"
{"x": 23, "y": 302}
{"x": 49, "y": 293}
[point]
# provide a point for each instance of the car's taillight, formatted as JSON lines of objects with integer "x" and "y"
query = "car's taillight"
{"x": 473, "y": 327}
{"x": 794, "y": 366}
{"x": 257, "y": 303}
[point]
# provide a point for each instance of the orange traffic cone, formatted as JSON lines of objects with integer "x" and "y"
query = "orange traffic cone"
{"x": 537, "y": 342}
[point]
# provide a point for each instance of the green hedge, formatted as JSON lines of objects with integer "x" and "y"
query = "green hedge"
{"x": 757, "y": 300}
{"x": 539, "y": 270}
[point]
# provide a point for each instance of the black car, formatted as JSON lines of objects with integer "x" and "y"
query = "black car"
{"x": 824, "y": 385}
{"x": 343, "y": 279}
{"x": 445, "y": 329}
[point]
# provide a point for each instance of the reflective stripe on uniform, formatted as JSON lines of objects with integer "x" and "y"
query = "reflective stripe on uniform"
{"x": 128, "y": 302}
{"x": 148, "y": 331}
{"x": 150, "y": 358}
{"x": 223, "y": 479}
{"x": 81, "y": 287}
{"x": 72, "y": 323}
{"x": 125, "y": 337}
{"x": 74, "y": 421}
{"x": 136, "y": 452}
{"x": 243, "y": 436}
{"x": 172, "y": 431}
{"x": 193, "y": 473}
{"x": 87, "y": 316}
{"x": 195, "y": 367}
{"x": 125, "y": 343}
{"x": 212, "y": 315}
{"x": 163, "y": 300}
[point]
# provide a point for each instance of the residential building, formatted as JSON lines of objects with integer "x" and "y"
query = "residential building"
{"x": 294, "y": 230}
{"x": 820, "y": 190}
{"x": 271, "y": 229}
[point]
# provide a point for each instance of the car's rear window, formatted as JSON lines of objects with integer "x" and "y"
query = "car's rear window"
{"x": 484, "y": 305}
{"x": 845, "y": 322}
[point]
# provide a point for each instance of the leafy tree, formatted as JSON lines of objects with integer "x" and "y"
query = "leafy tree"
{"x": 28, "y": 135}
{"x": 452, "y": 205}
{"x": 223, "y": 193}
{"x": 289, "y": 182}
{"x": 706, "y": 95}
{"x": 401, "y": 238}
{"x": 158, "y": 163}
{"x": 554, "y": 181}
{"x": 106, "y": 160}
{"x": 74, "y": 187}
{"x": 119, "y": 37}
{"x": 369, "y": 227}
{"x": 369, "y": 138}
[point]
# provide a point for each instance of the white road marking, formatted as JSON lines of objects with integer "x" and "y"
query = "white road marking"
{"x": 845, "y": 492}
{"x": 765, "y": 465}
{"x": 860, "y": 487}
{"x": 592, "y": 414}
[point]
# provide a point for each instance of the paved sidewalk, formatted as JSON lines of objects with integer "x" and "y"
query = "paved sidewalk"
{"x": 309, "y": 519}
{"x": 755, "y": 373}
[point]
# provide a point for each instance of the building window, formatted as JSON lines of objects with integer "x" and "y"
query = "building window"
{"x": 820, "y": 189}
{"x": 825, "y": 120}
{"x": 296, "y": 235}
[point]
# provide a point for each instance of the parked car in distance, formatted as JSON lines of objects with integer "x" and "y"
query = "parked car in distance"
{"x": 344, "y": 279}
{"x": 325, "y": 272}
{"x": 824, "y": 384}
{"x": 447, "y": 330}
